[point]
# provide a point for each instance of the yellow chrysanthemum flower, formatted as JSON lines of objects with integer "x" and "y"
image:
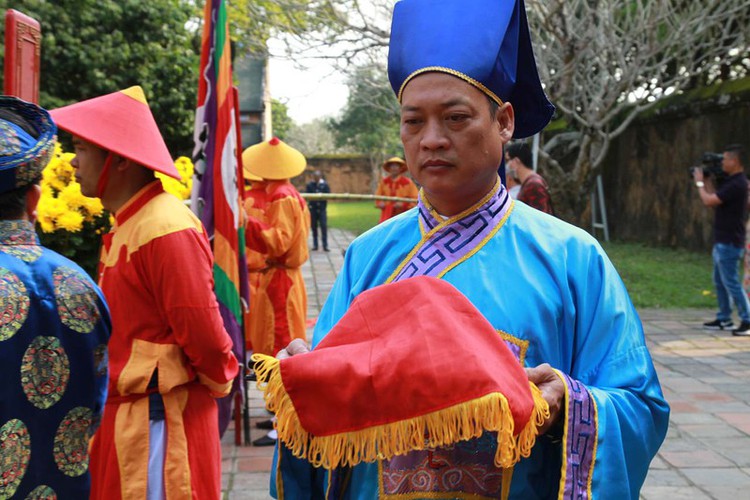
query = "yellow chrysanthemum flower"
{"x": 70, "y": 221}
{"x": 47, "y": 225}
{"x": 182, "y": 188}
{"x": 71, "y": 196}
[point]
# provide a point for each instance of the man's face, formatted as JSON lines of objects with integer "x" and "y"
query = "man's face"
{"x": 394, "y": 169}
{"x": 88, "y": 162}
{"x": 453, "y": 145}
{"x": 730, "y": 162}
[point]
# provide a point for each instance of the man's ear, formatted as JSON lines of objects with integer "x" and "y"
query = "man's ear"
{"x": 506, "y": 121}
{"x": 32, "y": 200}
{"x": 120, "y": 163}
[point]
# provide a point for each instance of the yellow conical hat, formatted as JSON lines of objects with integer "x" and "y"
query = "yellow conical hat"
{"x": 248, "y": 175}
{"x": 398, "y": 161}
{"x": 273, "y": 160}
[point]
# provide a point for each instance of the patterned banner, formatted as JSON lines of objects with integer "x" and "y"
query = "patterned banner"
{"x": 217, "y": 188}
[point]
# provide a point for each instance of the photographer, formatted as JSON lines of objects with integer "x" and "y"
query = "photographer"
{"x": 730, "y": 202}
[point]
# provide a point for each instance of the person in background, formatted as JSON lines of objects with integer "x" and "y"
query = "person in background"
{"x": 729, "y": 201}
{"x": 512, "y": 183}
{"x": 534, "y": 190}
{"x": 466, "y": 80}
{"x": 395, "y": 183}
{"x": 255, "y": 206}
{"x": 279, "y": 232}
{"x": 53, "y": 331}
{"x": 318, "y": 210}
{"x": 169, "y": 354}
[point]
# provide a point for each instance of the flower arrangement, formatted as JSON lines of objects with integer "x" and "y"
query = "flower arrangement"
{"x": 182, "y": 188}
{"x": 62, "y": 206}
{"x": 71, "y": 223}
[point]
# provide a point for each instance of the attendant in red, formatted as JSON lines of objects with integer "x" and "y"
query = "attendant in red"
{"x": 169, "y": 355}
{"x": 395, "y": 184}
{"x": 534, "y": 190}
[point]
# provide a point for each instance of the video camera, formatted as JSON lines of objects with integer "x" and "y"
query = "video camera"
{"x": 711, "y": 166}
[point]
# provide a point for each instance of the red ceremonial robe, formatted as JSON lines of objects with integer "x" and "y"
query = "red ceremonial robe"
{"x": 156, "y": 275}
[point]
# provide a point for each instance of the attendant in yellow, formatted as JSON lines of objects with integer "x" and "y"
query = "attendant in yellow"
{"x": 281, "y": 235}
{"x": 257, "y": 317}
{"x": 395, "y": 184}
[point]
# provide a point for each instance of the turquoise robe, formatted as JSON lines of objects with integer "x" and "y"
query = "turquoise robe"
{"x": 54, "y": 329}
{"x": 554, "y": 296}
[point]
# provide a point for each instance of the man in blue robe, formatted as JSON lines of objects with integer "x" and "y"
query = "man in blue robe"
{"x": 54, "y": 328}
{"x": 465, "y": 75}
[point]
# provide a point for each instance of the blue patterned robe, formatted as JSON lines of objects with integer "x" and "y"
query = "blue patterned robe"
{"x": 54, "y": 328}
{"x": 553, "y": 295}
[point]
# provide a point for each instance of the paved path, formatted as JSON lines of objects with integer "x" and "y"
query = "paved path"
{"x": 705, "y": 376}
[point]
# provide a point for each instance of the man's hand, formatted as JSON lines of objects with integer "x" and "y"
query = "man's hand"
{"x": 697, "y": 174}
{"x": 553, "y": 391}
{"x": 296, "y": 346}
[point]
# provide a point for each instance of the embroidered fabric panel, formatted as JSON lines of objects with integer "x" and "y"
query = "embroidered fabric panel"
{"x": 579, "y": 440}
{"x": 45, "y": 371}
{"x": 456, "y": 240}
{"x": 465, "y": 470}
{"x": 17, "y": 232}
{"x": 42, "y": 492}
{"x": 15, "y": 452}
{"x": 14, "y": 304}
{"x": 71, "y": 442}
{"x": 76, "y": 300}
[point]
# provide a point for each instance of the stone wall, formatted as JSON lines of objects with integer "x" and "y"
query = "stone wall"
{"x": 650, "y": 195}
{"x": 346, "y": 174}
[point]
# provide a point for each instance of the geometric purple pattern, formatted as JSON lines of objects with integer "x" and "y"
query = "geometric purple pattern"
{"x": 453, "y": 242}
{"x": 580, "y": 440}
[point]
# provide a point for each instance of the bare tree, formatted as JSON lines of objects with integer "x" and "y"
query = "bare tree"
{"x": 314, "y": 138}
{"x": 606, "y": 61}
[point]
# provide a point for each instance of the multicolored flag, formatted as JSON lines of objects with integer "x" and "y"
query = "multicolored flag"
{"x": 217, "y": 185}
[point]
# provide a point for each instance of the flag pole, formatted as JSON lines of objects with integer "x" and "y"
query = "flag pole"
{"x": 244, "y": 283}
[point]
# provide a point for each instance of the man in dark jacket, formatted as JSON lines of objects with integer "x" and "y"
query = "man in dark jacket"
{"x": 318, "y": 216}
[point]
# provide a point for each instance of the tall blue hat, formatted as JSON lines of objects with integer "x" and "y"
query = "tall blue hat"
{"x": 27, "y": 142}
{"x": 484, "y": 42}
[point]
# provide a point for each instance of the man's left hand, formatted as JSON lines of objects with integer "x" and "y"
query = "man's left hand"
{"x": 553, "y": 391}
{"x": 697, "y": 174}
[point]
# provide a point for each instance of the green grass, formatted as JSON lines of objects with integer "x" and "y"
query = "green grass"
{"x": 654, "y": 277}
{"x": 354, "y": 216}
{"x": 663, "y": 277}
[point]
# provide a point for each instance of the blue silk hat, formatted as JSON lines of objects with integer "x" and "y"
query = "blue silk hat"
{"x": 27, "y": 142}
{"x": 484, "y": 42}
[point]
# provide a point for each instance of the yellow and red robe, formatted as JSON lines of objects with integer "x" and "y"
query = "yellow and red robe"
{"x": 156, "y": 273}
{"x": 400, "y": 186}
{"x": 280, "y": 300}
{"x": 255, "y": 205}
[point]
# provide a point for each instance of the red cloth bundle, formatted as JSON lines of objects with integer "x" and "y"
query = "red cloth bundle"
{"x": 412, "y": 365}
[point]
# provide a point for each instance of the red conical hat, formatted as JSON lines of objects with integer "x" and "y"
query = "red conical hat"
{"x": 122, "y": 123}
{"x": 381, "y": 384}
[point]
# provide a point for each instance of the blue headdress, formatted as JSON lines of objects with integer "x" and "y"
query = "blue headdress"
{"x": 27, "y": 142}
{"x": 484, "y": 42}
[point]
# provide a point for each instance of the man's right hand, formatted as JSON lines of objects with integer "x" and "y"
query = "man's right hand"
{"x": 296, "y": 346}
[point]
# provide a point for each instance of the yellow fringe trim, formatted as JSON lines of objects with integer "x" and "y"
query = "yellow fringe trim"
{"x": 434, "y": 430}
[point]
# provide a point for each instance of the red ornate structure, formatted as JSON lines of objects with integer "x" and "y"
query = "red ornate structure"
{"x": 23, "y": 46}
